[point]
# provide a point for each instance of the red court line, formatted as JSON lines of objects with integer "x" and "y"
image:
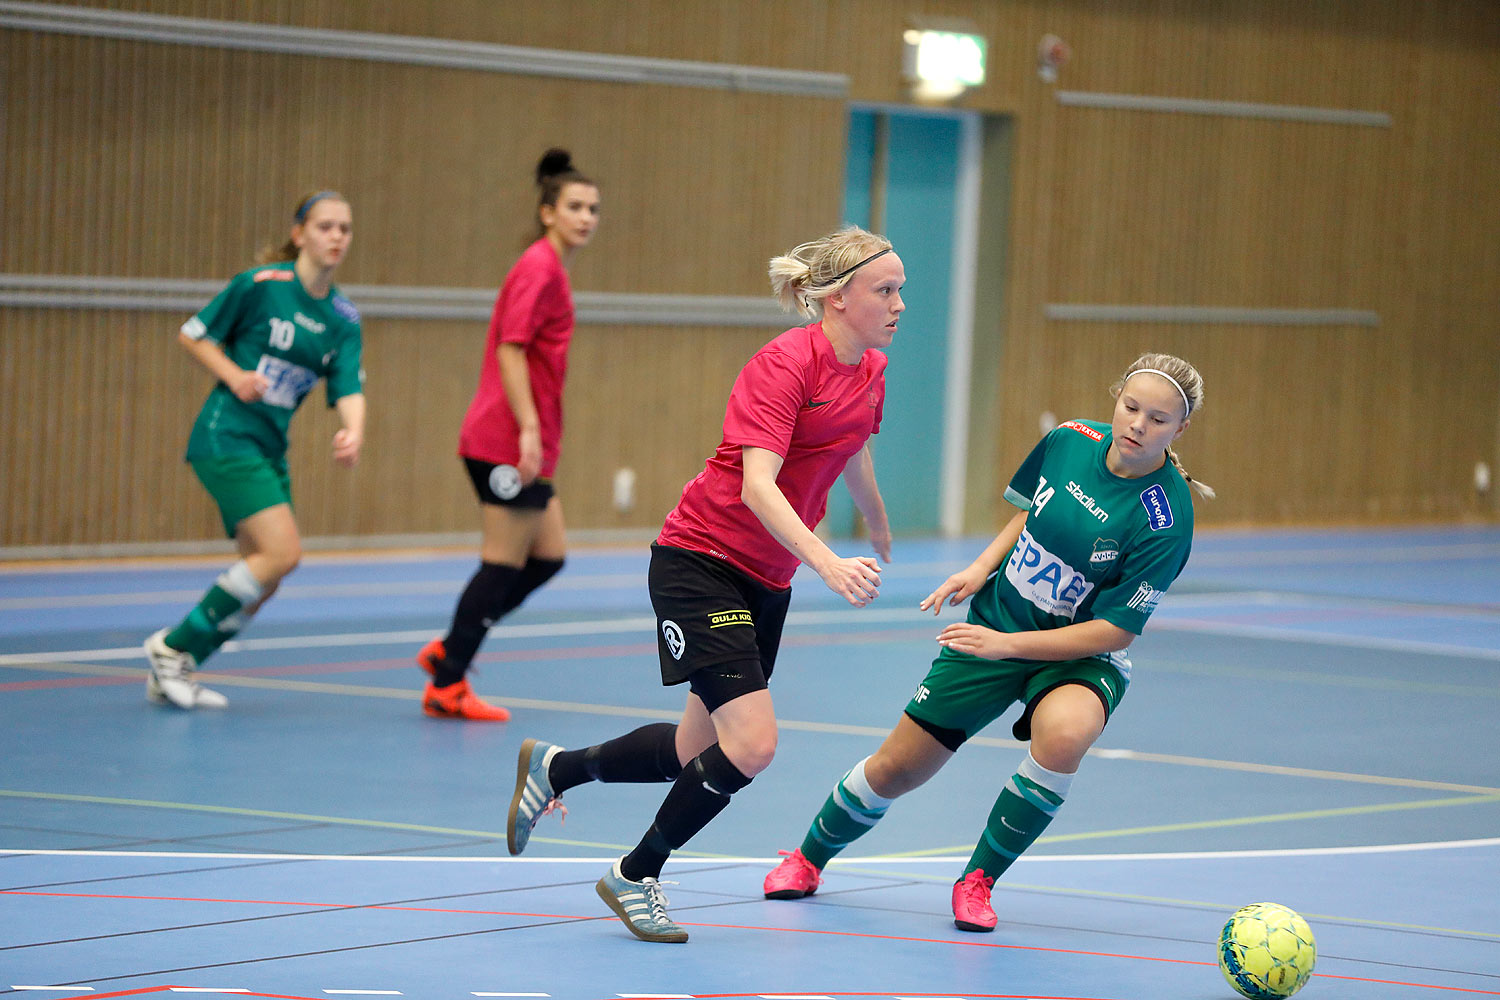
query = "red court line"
{"x": 169, "y": 988}
{"x": 750, "y": 927}
{"x": 507, "y": 656}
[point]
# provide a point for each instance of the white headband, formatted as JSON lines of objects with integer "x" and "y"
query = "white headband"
{"x": 1187, "y": 406}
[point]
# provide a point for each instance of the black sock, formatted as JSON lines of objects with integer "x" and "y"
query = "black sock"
{"x": 699, "y": 794}
{"x": 477, "y": 610}
{"x": 535, "y": 573}
{"x": 645, "y": 754}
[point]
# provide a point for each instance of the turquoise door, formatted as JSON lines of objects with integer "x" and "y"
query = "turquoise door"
{"x": 908, "y": 176}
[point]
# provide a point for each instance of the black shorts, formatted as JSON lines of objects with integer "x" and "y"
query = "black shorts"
{"x": 501, "y": 485}
{"x": 716, "y": 627}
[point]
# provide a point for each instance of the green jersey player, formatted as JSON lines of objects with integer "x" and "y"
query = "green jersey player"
{"x": 1105, "y": 525}
{"x": 268, "y": 338}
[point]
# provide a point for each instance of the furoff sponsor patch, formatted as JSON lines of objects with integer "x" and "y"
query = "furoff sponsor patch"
{"x": 1158, "y": 511}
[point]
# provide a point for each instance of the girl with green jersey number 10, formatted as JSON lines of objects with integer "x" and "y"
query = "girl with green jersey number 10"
{"x": 1105, "y": 526}
{"x": 268, "y": 338}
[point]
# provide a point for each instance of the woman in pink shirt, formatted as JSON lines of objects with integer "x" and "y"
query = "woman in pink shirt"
{"x": 800, "y": 413}
{"x": 511, "y": 436}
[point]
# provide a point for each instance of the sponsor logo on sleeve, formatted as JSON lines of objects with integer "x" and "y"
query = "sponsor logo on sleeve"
{"x": 1158, "y": 511}
{"x": 273, "y": 274}
{"x": 1145, "y": 599}
{"x": 345, "y": 308}
{"x": 1083, "y": 429}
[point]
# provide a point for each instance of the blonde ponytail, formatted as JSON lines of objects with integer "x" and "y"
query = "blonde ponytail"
{"x": 804, "y": 276}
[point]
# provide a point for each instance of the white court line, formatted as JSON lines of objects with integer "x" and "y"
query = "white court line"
{"x": 1289, "y": 852}
{"x": 844, "y": 616}
{"x": 1281, "y": 634}
{"x": 70, "y": 989}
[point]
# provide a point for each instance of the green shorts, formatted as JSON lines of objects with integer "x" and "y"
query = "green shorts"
{"x": 243, "y": 484}
{"x": 962, "y": 694}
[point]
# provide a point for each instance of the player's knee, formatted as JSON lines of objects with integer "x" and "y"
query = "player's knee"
{"x": 891, "y": 775}
{"x": 1059, "y": 742}
{"x": 751, "y": 752}
{"x": 286, "y": 558}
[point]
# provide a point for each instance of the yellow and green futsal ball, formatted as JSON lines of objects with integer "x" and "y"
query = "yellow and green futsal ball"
{"x": 1266, "y": 951}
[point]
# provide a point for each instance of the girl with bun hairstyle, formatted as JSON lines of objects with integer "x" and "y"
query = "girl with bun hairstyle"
{"x": 511, "y": 436}
{"x": 801, "y": 412}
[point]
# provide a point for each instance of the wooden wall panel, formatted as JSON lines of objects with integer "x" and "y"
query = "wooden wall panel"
{"x": 137, "y": 159}
{"x": 115, "y": 173}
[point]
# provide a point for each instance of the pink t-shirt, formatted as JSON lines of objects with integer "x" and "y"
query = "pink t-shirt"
{"x": 535, "y": 310}
{"x": 795, "y": 398}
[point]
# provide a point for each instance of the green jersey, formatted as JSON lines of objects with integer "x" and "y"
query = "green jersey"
{"x": 266, "y": 322}
{"x": 1094, "y": 545}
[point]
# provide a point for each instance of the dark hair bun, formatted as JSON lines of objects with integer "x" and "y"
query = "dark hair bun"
{"x": 554, "y": 161}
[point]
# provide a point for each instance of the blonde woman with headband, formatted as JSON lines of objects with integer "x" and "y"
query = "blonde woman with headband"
{"x": 1105, "y": 525}
{"x": 801, "y": 413}
{"x": 267, "y": 339}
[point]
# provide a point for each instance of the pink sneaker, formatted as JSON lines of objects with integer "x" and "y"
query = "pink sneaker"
{"x": 971, "y": 902}
{"x": 793, "y": 878}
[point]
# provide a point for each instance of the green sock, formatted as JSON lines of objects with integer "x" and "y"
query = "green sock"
{"x": 1025, "y": 806}
{"x": 230, "y": 627}
{"x": 848, "y": 814}
{"x": 199, "y": 633}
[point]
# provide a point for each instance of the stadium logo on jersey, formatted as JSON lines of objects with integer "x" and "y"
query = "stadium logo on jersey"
{"x": 672, "y": 633}
{"x": 345, "y": 308}
{"x": 1087, "y": 501}
{"x": 308, "y": 323}
{"x": 1106, "y": 551}
{"x": 1083, "y": 429}
{"x": 1045, "y": 580}
{"x": 505, "y": 482}
{"x": 1146, "y": 598}
{"x": 273, "y": 274}
{"x": 1158, "y": 511}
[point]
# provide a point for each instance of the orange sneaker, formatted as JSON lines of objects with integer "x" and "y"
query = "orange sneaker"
{"x": 431, "y": 653}
{"x": 458, "y": 701}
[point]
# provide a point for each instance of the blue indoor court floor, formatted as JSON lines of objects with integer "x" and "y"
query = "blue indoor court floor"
{"x": 1312, "y": 720}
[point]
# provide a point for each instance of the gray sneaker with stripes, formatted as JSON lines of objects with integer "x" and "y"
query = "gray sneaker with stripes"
{"x": 641, "y": 905}
{"x": 533, "y": 798}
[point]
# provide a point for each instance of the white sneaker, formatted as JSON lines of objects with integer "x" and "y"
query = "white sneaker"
{"x": 170, "y": 678}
